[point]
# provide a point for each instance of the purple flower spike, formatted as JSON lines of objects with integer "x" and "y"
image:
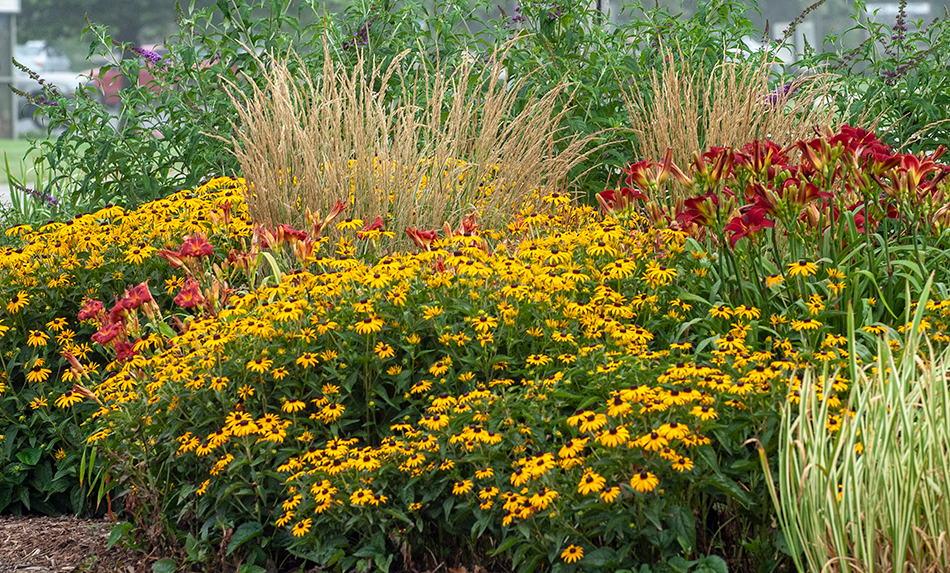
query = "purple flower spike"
{"x": 147, "y": 55}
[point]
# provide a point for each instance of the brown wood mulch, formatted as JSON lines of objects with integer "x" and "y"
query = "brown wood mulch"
{"x": 41, "y": 544}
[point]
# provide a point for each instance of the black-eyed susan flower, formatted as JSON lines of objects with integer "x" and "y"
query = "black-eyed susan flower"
{"x": 591, "y": 422}
{"x": 802, "y": 268}
{"x": 331, "y": 413}
{"x": 683, "y": 465}
{"x": 658, "y": 275}
{"x": 260, "y": 365}
{"x": 704, "y": 412}
{"x": 572, "y": 554}
{"x": 774, "y": 280}
{"x": 591, "y": 482}
{"x": 240, "y": 424}
{"x": 361, "y": 496}
{"x": 68, "y": 399}
{"x": 18, "y": 302}
{"x": 369, "y": 325}
{"x": 462, "y": 487}
{"x": 651, "y": 442}
{"x": 614, "y": 437}
{"x": 38, "y": 373}
{"x": 486, "y": 473}
{"x": 609, "y": 495}
{"x": 721, "y": 311}
{"x": 644, "y": 481}
{"x": 806, "y": 324}
{"x": 302, "y": 527}
{"x": 293, "y": 406}
{"x": 384, "y": 350}
{"x": 37, "y": 338}
{"x": 673, "y": 431}
{"x": 537, "y": 359}
{"x": 573, "y": 448}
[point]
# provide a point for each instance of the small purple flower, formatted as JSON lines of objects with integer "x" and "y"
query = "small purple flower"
{"x": 780, "y": 94}
{"x": 147, "y": 55}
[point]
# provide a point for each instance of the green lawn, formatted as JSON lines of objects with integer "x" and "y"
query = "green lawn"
{"x": 16, "y": 154}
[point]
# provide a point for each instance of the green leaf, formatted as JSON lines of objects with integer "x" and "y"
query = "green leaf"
{"x": 711, "y": 564}
{"x": 601, "y": 557}
{"x": 29, "y": 456}
{"x": 164, "y": 566}
{"x": 244, "y": 533}
{"x": 248, "y": 568}
{"x": 119, "y": 530}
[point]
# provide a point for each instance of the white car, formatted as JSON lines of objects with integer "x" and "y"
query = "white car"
{"x": 50, "y": 66}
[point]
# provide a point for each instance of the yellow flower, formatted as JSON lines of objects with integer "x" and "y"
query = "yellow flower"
{"x": 18, "y": 302}
{"x": 361, "y": 497}
{"x": 773, "y": 280}
{"x": 384, "y": 350}
{"x": 68, "y": 399}
{"x": 572, "y": 554}
{"x": 484, "y": 474}
{"x": 683, "y": 465}
{"x": 37, "y": 403}
{"x": 369, "y": 325}
{"x": 307, "y": 360}
{"x": 590, "y": 482}
{"x": 614, "y": 437}
{"x": 260, "y": 365}
{"x": 484, "y": 323}
{"x": 292, "y": 406}
{"x": 37, "y": 338}
{"x": 537, "y": 359}
{"x": 39, "y": 374}
{"x": 462, "y": 487}
{"x": 657, "y": 274}
{"x": 610, "y": 494}
{"x": 301, "y": 528}
{"x": 651, "y": 442}
{"x": 331, "y": 413}
{"x": 802, "y": 268}
{"x": 807, "y": 324}
{"x": 644, "y": 481}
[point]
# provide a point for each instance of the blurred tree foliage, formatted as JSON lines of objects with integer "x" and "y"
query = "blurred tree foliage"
{"x": 135, "y": 21}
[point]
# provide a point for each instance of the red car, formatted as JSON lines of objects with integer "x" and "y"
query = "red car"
{"x": 110, "y": 82}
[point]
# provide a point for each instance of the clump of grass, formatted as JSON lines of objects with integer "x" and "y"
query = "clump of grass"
{"x": 732, "y": 106}
{"x": 447, "y": 145}
{"x": 872, "y": 495}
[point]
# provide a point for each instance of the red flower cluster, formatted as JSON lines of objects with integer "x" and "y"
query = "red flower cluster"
{"x": 740, "y": 192}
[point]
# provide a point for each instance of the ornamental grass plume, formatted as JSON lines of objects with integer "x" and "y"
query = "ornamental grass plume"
{"x": 732, "y": 107}
{"x": 450, "y": 145}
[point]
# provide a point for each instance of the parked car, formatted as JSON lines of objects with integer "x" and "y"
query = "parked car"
{"x": 50, "y": 66}
{"x": 112, "y": 80}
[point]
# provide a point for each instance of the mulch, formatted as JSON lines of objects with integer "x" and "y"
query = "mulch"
{"x": 41, "y": 544}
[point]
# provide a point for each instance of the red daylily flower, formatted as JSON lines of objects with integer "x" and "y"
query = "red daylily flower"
{"x": 108, "y": 333}
{"x": 91, "y": 309}
{"x": 374, "y": 226}
{"x": 196, "y": 246}
{"x": 699, "y": 210}
{"x": 744, "y": 225}
{"x": 190, "y": 295}
{"x": 422, "y": 239}
{"x": 610, "y": 202}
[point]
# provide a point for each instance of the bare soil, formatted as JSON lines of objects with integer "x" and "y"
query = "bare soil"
{"x": 41, "y": 544}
